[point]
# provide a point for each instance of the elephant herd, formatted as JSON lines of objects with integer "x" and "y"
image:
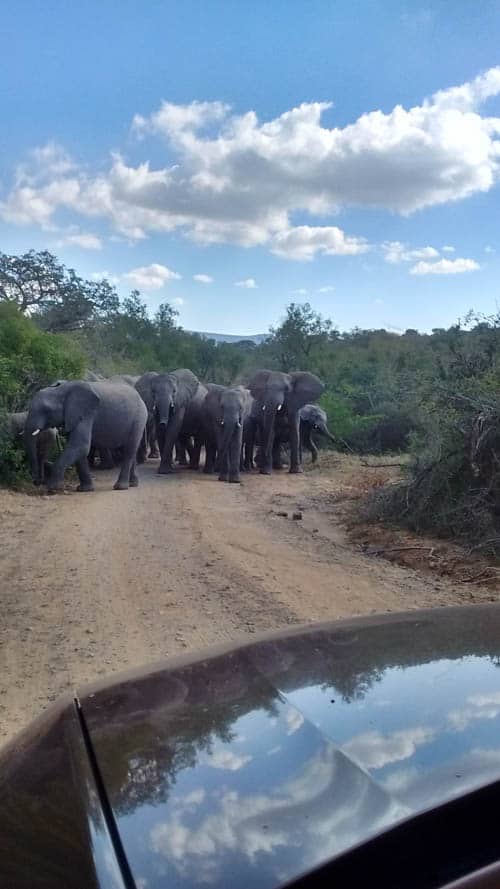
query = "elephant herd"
{"x": 124, "y": 420}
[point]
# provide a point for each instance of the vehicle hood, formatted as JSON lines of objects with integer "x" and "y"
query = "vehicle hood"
{"x": 253, "y": 765}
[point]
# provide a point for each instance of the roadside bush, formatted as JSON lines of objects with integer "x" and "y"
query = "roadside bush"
{"x": 452, "y": 487}
{"x": 29, "y": 359}
{"x": 386, "y": 429}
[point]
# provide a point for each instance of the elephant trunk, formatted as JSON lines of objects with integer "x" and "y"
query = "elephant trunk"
{"x": 229, "y": 431}
{"x": 326, "y": 432}
{"x": 164, "y": 408}
{"x": 268, "y": 434}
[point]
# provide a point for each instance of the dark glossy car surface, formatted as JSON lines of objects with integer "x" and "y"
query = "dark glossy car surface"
{"x": 254, "y": 765}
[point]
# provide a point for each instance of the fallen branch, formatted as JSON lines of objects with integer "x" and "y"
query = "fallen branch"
{"x": 380, "y": 465}
{"x": 478, "y": 576}
{"x": 390, "y": 549}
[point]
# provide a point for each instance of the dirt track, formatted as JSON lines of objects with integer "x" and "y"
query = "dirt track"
{"x": 92, "y": 584}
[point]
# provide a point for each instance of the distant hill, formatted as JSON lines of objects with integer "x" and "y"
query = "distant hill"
{"x": 256, "y": 338}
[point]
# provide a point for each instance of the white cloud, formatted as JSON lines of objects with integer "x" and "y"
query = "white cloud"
{"x": 329, "y": 288}
{"x": 203, "y": 279}
{"x": 305, "y": 241}
{"x": 396, "y": 252}
{"x": 378, "y": 302}
{"x": 248, "y": 283}
{"x": 85, "y": 240}
{"x": 98, "y": 276}
{"x": 480, "y": 706}
{"x": 448, "y": 249}
{"x": 489, "y": 249}
{"x": 300, "y": 292}
{"x": 226, "y": 759}
{"x": 374, "y": 750}
{"x": 294, "y": 721}
{"x": 151, "y": 277}
{"x": 178, "y": 301}
{"x": 445, "y": 267}
{"x": 237, "y": 179}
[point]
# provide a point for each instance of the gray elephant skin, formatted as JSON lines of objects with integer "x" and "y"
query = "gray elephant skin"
{"x": 225, "y": 411}
{"x": 47, "y": 442}
{"x": 312, "y": 420}
{"x": 280, "y": 393}
{"x": 173, "y": 402}
{"x": 149, "y": 443}
{"x": 99, "y": 414}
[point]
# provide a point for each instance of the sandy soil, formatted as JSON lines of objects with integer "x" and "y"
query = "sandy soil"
{"x": 91, "y": 584}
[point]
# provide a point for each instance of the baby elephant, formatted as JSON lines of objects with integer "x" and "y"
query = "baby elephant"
{"x": 103, "y": 414}
{"x": 225, "y": 412}
{"x": 46, "y": 443}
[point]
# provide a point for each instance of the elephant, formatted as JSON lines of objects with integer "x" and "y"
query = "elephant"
{"x": 312, "y": 418}
{"x": 102, "y": 414}
{"x": 225, "y": 412}
{"x": 91, "y": 377}
{"x": 191, "y": 435}
{"x": 47, "y": 442}
{"x": 168, "y": 398}
{"x": 275, "y": 392}
{"x": 149, "y": 443}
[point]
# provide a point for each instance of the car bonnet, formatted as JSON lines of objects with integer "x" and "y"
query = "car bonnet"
{"x": 253, "y": 765}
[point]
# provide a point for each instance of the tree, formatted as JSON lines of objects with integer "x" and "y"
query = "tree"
{"x": 302, "y": 332}
{"x": 55, "y": 296}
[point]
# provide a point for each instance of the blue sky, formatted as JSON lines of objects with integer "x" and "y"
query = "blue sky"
{"x": 282, "y": 151}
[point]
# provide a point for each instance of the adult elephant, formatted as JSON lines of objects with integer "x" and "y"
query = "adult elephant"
{"x": 149, "y": 443}
{"x": 168, "y": 396}
{"x": 191, "y": 435}
{"x": 226, "y": 411}
{"x": 46, "y": 445}
{"x": 103, "y": 414}
{"x": 275, "y": 392}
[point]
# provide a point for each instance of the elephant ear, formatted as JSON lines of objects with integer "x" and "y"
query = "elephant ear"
{"x": 259, "y": 383}
{"x": 80, "y": 402}
{"x": 187, "y": 384}
{"x": 306, "y": 387}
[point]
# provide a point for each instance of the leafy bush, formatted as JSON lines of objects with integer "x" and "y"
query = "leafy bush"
{"x": 452, "y": 487}
{"x": 29, "y": 359}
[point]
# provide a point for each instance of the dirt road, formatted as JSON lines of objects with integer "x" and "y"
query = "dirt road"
{"x": 91, "y": 584}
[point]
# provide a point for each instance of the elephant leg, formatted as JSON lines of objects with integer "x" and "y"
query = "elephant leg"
{"x": 142, "y": 449}
{"x": 133, "y": 478}
{"x": 77, "y": 448}
{"x": 314, "y": 450}
{"x": 294, "y": 422}
{"x": 210, "y": 453}
{"x": 83, "y": 470}
{"x": 91, "y": 457}
{"x": 194, "y": 462}
{"x": 181, "y": 453}
{"x": 154, "y": 451}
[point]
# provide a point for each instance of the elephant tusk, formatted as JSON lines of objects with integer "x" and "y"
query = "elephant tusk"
{"x": 280, "y": 406}
{"x": 221, "y": 422}
{"x": 36, "y": 432}
{"x": 263, "y": 407}
{"x": 238, "y": 424}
